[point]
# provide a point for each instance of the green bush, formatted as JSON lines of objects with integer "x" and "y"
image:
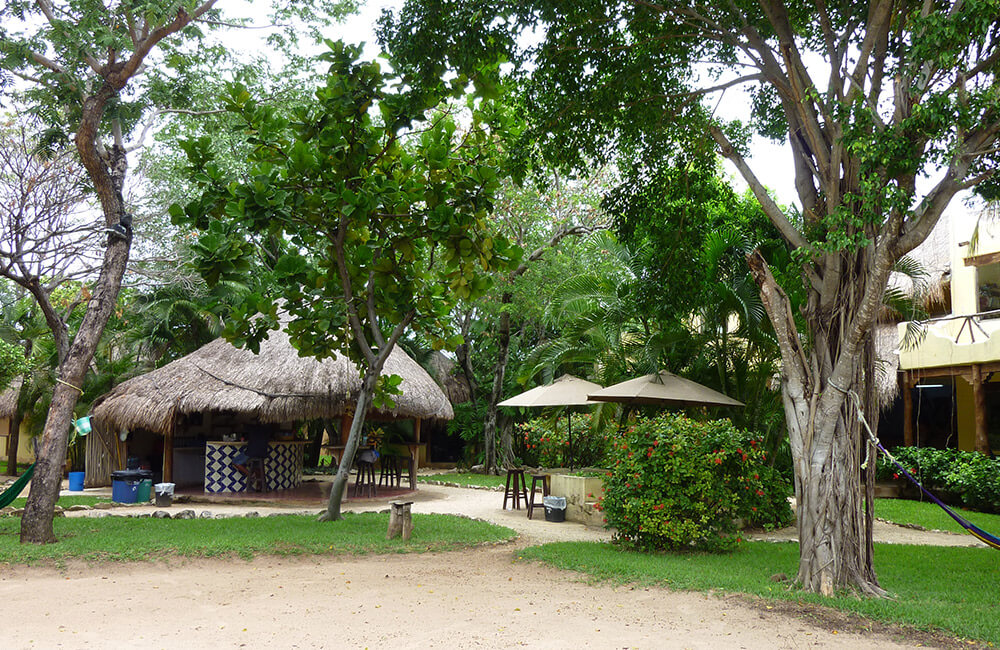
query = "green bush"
{"x": 680, "y": 484}
{"x": 544, "y": 442}
{"x": 971, "y": 477}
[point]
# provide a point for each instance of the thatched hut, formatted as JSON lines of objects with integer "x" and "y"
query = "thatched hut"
{"x": 8, "y": 408}
{"x": 220, "y": 392}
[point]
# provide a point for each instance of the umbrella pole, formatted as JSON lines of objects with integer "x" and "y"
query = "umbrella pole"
{"x": 569, "y": 428}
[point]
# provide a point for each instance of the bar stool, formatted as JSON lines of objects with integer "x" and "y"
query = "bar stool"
{"x": 535, "y": 478}
{"x": 364, "y": 484}
{"x": 391, "y": 471}
{"x": 256, "y": 475}
{"x": 517, "y": 491}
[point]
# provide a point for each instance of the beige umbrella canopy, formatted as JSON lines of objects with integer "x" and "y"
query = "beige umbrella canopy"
{"x": 565, "y": 391}
{"x": 275, "y": 385}
{"x": 663, "y": 388}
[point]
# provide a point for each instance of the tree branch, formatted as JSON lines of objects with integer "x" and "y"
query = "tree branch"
{"x": 771, "y": 209}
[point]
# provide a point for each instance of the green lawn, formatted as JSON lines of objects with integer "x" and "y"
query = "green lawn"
{"x": 132, "y": 539}
{"x": 467, "y": 478}
{"x": 934, "y": 587}
{"x": 66, "y": 501}
{"x": 931, "y": 516}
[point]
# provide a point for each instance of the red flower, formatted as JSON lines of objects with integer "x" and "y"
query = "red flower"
{"x": 760, "y": 493}
{"x": 894, "y": 475}
{"x": 718, "y": 461}
{"x": 755, "y": 476}
{"x": 754, "y": 509}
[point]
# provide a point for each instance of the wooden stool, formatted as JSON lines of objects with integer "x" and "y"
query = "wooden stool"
{"x": 535, "y": 478}
{"x": 365, "y": 482}
{"x": 517, "y": 491}
{"x": 391, "y": 474}
{"x": 256, "y": 476}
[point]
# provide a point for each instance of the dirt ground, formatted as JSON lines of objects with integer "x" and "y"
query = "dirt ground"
{"x": 479, "y": 598}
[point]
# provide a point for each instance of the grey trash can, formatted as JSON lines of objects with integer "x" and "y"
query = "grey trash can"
{"x": 555, "y": 508}
{"x": 164, "y": 494}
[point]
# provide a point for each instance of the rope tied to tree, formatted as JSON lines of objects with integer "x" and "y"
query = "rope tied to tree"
{"x": 980, "y": 534}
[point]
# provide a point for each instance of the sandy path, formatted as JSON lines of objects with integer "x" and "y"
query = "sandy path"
{"x": 470, "y": 599}
{"x": 480, "y": 598}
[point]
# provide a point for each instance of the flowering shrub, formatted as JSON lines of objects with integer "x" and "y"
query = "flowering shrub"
{"x": 973, "y": 478}
{"x": 679, "y": 484}
{"x": 546, "y": 446}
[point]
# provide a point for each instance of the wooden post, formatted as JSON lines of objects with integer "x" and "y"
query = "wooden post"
{"x": 345, "y": 427}
{"x": 907, "y": 410}
{"x": 979, "y": 399}
{"x": 400, "y": 520}
{"x": 168, "y": 451}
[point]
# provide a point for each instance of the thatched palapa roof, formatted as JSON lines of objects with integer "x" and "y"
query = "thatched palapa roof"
{"x": 8, "y": 399}
{"x": 273, "y": 386}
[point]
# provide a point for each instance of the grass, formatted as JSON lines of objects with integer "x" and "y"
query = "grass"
{"x": 130, "y": 539}
{"x": 953, "y": 589}
{"x": 930, "y": 516}
{"x": 466, "y": 479}
{"x": 66, "y": 501}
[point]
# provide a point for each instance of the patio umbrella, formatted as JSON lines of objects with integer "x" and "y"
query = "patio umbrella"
{"x": 663, "y": 388}
{"x": 564, "y": 391}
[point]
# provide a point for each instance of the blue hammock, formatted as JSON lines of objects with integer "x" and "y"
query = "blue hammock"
{"x": 16, "y": 487}
{"x": 972, "y": 529}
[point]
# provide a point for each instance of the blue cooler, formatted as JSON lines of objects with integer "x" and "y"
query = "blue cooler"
{"x": 125, "y": 485}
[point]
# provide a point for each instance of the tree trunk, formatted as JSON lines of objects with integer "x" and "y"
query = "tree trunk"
{"x": 36, "y": 524}
{"x": 351, "y": 447}
{"x": 823, "y": 388}
{"x": 503, "y": 350}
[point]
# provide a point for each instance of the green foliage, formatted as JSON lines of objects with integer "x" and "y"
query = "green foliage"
{"x": 678, "y": 484}
{"x": 468, "y": 421}
{"x": 952, "y": 589}
{"x": 361, "y": 206}
{"x": 544, "y": 442}
{"x": 12, "y": 363}
{"x": 971, "y": 477}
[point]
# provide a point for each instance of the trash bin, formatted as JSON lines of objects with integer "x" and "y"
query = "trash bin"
{"x": 164, "y": 494}
{"x": 555, "y": 508}
{"x": 125, "y": 485}
{"x": 76, "y": 481}
{"x": 142, "y": 493}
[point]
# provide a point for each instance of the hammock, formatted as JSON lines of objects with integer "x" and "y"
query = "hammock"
{"x": 17, "y": 487}
{"x": 977, "y": 532}
{"x": 972, "y": 529}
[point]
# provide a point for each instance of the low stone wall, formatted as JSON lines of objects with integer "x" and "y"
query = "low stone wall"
{"x": 581, "y": 493}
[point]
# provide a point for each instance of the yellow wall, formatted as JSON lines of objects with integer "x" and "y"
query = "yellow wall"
{"x": 25, "y": 452}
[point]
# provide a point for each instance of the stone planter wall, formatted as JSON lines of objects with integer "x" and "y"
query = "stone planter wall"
{"x": 581, "y": 493}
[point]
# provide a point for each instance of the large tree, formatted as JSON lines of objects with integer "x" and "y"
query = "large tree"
{"x": 365, "y": 213}
{"x": 889, "y": 109}
{"x": 91, "y": 71}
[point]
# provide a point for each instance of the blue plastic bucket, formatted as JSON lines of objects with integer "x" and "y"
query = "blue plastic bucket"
{"x": 76, "y": 481}
{"x": 124, "y": 491}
